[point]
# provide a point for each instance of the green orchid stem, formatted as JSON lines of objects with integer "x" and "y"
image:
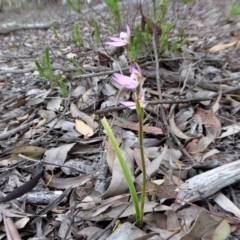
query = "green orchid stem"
{"x": 125, "y": 170}
{"x": 140, "y": 114}
{"x": 129, "y": 55}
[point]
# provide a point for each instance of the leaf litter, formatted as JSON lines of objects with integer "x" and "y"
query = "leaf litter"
{"x": 54, "y": 152}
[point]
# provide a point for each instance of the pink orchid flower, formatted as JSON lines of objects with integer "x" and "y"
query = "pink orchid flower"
{"x": 132, "y": 105}
{"x": 127, "y": 82}
{"x": 122, "y": 41}
{"x": 131, "y": 82}
{"x": 136, "y": 74}
{"x": 134, "y": 70}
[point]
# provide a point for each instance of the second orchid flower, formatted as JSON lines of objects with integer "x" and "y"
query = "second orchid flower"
{"x": 123, "y": 40}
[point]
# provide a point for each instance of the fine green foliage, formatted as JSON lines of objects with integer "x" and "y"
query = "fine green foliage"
{"x": 75, "y": 5}
{"x": 135, "y": 45}
{"x": 76, "y": 35}
{"x": 75, "y": 64}
{"x": 167, "y": 27}
{"x": 139, "y": 41}
{"x": 125, "y": 169}
{"x": 187, "y": 1}
{"x": 178, "y": 43}
{"x": 146, "y": 34}
{"x": 96, "y": 32}
{"x": 114, "y": 8}
{"x": 55, "y": 33}
{"x": 163, "y": 11}
{"x": 235, "y": 9}
{"x": 47, "y": 73}
{"x": 154, "y": 6}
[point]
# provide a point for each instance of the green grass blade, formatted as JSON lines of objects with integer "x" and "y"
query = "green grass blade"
{"x": 124, "y": 167}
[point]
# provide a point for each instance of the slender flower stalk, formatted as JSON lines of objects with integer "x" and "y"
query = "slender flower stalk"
{"x": 135, "y": 83}
{"x": 140, "y": 114}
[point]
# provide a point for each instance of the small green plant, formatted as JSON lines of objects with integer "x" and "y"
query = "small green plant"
{"x": 178, "y": 43}
{"x": 135, "y": 45}
{"x": 76, "y": 35}
{"x": 96, "y": 32}
{"x": 75, "y": 64}
{"x": 135, "y": 83}
{"x": 55, "y": 33}
{"x": 75, "y": 6}
{"x": 146, "y": 34}
{"x": 114, "y": 8}
{"x": 163, "y": 10}
{"x": 235, "y": 9}
{"x": 47, "y": 73}
{"x": 167, "y": 27}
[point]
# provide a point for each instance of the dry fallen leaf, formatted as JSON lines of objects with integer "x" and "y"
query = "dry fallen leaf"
{"x": 57, "y": 155}
{"x": 10, "y": 228}
{"x": 47, "y": 114}
{"x": 201, "y": 144}
{"x": 107, "y": 203}
{"x": 87, "y": 119}
{"x": 28, "y": 151}
{"x": 111, "y": 156}
{"x": 200, "y": 226}
{"x": 83, "y": 128}
{"x": 84, "y": 98}
{"x": 211, "y": 122}
{"x": 230, "y": 130}
{"x": 227, "y": 204}
{"x": 71, "y": 55}
{"x": 118, "y": 184}
{"x": 24, "y": 117}
{"x": 126, "y": 231}
{"x": 135, "y": 127}
{"x": 222, "y": 231}
{"x": 173, "y": 224}
{"x": 153, "y": 167}
{"x": 65, "y": 183}
{"x": 54, "y": 104}
{"x": 175, "y": 129}
{"x": 137, "y": 157}
{"x": 222, "y": 46}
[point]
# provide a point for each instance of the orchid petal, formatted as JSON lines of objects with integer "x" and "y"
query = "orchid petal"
{"x": 143, "y": 104}
{"x": 128, "y": 31}
{"x": 122, "y": 79}
{"x": 134, "y": 70}
{"x": 122, "y": 41}
{"x": 126, "y": 81}
{"x": 115, "y": 39}
{"x": 116, "y": 44}
{"x": 142, "y": 92}
{"x": 128, "y": 104}
{"x": 124, "y": 36}
{"x": 139, "y": 69}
